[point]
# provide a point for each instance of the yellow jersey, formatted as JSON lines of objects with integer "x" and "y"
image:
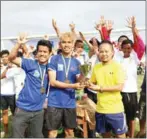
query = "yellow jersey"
{"x": 110, "y": 74}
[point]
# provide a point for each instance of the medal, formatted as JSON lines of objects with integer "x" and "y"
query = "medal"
{"x": 66, "y": 69}
{"x": 67, "y": 81}
{"x": 42, "y": 90}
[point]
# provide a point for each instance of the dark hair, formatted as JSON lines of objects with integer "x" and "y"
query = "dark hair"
{"x": 127, "y": 42}
{"x": 106, "y": 42}
{"x": 122, "y": 36}
{"x": 19, "y": 54}
{"x": 78, "y": 41}
{"x": 34, "y": 52}
{"x": 59, "y": 51}
{"x": 3, "y": 52}
{"x": 46, "y": 43}
{"x": 91, "y": 42}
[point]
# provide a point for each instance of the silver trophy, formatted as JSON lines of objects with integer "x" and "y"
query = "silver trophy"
{"x": 85, "y": 68}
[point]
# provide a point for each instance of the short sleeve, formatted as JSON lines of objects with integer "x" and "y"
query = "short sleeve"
{"x": 52, "y": 65}
{"x": 93, "y": 76}
{"x": 12, "y": 72}
{"x": 27, "y": 64}
{"x": 78, "y": 69}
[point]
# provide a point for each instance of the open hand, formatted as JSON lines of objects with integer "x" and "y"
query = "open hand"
{"x": 109, "y": 25}
{"x": 22, "y": 38}
{"x": 98, "y": 26}
{"x": 131, "y": 22}
{"x": 72, "y": 26}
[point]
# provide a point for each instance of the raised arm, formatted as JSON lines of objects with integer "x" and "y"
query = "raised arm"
{"x": 139, "y": 46}
{"x": 21, "y": 41}
{"x": 104, "y": 27}
{"x": 84, "y": 39}
{"x": 56, "y": 28}
{"x": 72, "y": 28}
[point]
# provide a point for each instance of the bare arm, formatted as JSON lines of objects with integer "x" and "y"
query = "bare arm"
{"x": 3, "y": 75}
{"x": 58, "y": 84}
{"x": 84, "y": 39}
{"x": 72, "y": 28}
{"x": 56, "y": 28}
{"x": 114, "y": 88}
{"x": 104, "y": 27}
{"x": 13, "y": 54}
{"x": 139, "y": 45}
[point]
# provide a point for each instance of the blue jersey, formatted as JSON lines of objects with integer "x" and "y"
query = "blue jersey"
{"x": 59, "y": 97}
{"x": 30, "y": 97}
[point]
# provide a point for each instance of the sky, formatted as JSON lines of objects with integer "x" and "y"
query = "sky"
{"x": 35, "y": 17}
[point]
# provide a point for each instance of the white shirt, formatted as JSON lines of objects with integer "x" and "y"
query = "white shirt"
{"x": 18, "y": 74}
{"x": 118, "y": 55}
{"x": 7, "y": 85}
{"x": 93, "y": 60}
{"x": 130, "y": 67}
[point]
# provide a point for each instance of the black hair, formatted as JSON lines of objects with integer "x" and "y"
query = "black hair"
{"x": 107, "y": 42}
{"x": 91, "y": 42}
{"x": 122, "y": 36}
{"x": 46, "y": 43}
{"x": 59, "y": 51}
{"x": 3, "y": 52}
{"x": 19, "y": 54}
{"x": 127, "y": 42}
{"x": 78, "y": 41}
{"x": 34, "y": 52}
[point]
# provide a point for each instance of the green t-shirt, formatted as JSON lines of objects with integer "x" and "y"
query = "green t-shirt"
{"x": 86, "y": 48}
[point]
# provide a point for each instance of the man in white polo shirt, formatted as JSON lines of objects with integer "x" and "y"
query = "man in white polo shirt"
{"x": 7, "y": 94}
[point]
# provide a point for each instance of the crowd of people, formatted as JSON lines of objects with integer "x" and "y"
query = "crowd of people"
{"x": 40, "y": 85}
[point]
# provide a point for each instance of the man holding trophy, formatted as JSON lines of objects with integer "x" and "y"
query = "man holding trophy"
{"x": 107, "y": 79}
{"x": 63, "y": 74}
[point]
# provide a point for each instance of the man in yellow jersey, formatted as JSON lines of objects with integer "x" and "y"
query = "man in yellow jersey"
{"x": 107, "y": 79}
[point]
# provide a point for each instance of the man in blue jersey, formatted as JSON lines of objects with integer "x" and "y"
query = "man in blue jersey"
{"x": 30, "y": 101}
{"x": 63, "y": 73}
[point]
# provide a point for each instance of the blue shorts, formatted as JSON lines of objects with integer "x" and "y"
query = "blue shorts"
{"x": 111, "y": 122}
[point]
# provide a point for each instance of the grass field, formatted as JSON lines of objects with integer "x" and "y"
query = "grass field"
{"x": 140, "y": 79}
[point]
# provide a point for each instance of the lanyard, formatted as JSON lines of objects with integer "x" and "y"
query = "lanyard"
{"x": 42, "y": 75}
{"x": 66, "y": 68}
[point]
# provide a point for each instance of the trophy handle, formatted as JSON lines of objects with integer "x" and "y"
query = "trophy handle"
{"x": 89, "y": 65}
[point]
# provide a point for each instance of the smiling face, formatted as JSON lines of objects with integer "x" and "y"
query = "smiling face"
{"x": 43, "y": 54}
{"x": 105, "y": 52}
{"x": 66, "y": 43}
{"x": 5, "y": 59}
{"x": 127, "y": 50}
{"x": 79, "y": 46}
{"x": 120, "y": 42}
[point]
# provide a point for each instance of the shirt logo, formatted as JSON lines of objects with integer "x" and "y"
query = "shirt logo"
{"x": 73, "y": 69}
{"x": 111, "y": 73}
{"x": 36, "y": 74}
{"x": 60, "y": 67}
{"x": 118, "y": 129}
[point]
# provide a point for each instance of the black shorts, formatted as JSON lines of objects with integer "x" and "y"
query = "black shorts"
{"x": 130, "y": 105}
{"x": 7, "y": 101}
{"x": 56, "y": 117}
{"x": 142, "y": 107}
